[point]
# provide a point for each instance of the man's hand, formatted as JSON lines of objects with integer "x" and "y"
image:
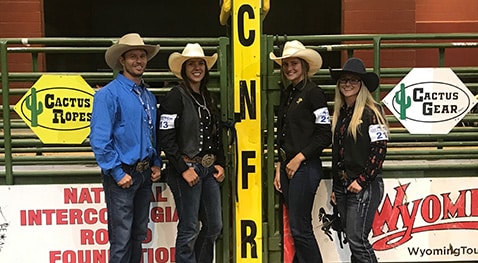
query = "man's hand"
{"x": 126, "y": 181}
{"x": 155, "y": 173}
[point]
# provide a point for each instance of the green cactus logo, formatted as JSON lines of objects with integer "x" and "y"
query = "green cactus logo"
{"x": 34, "y": 107}
{"x": 403, "y": 101}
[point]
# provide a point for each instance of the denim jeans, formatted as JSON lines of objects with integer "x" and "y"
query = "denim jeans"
{"x": 357, "y": 212}
{"x": 128, "y": 216}
{"x": 199, "y": 213}
{"x": 299, "y": 193}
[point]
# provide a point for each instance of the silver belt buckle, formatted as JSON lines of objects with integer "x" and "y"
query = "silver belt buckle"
{"x": 208, "y": 160}
{"x": 143, "y": 165}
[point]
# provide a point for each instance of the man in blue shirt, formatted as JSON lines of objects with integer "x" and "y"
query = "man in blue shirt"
{"x": 123, "y": 140}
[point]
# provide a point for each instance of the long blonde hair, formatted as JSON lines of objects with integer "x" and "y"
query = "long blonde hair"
{"x": 364, "y": 99}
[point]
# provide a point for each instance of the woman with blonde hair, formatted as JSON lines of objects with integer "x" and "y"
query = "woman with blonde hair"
{"x": 360, "y": 135}
{"x": 303, "y": 133}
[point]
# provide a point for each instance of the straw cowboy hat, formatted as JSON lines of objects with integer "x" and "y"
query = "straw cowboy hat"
{"x": 357, "y": 67}
{"x": 127, "y": 43}
{"x": 295, "y": 48}
{"x": 192, "y": 50}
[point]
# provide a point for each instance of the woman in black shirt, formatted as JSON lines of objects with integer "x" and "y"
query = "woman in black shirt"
{"x": 303, "y": 132}
{"x": 189, "y": 135}
{"x": 358, "y": 151}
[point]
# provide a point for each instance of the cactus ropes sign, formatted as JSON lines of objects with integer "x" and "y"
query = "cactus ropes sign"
{"x": 58, "y": 108}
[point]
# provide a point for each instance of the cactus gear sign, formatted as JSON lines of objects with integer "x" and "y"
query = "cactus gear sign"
{"x": 430, "y": 100}
{"x": 58, "y": 108}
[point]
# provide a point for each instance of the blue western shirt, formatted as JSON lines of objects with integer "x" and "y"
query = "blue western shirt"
{"x": 122, "y": 126}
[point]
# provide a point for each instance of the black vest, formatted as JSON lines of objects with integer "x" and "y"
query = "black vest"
{"x": 190, "y": 134}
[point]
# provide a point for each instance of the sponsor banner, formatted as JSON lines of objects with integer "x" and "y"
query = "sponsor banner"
{"x": 419, "y": 220}
{"x": 68, "y": 223}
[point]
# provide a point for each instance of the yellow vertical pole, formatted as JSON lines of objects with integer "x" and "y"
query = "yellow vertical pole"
{"x": 246, "y": 26}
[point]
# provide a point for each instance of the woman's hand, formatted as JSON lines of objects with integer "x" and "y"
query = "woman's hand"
{"x": 354, "y": 187}
{"x": 277, "y": 178}
{"x": 219, "y": 175}
{"x": 191, "y": 176}
{"x": 294, "y": 165}
{"x": 332, "y": 198}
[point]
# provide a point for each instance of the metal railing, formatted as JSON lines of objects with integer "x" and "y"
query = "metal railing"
{"x": 20, "y": 147}
{"x": 453, "y": 154}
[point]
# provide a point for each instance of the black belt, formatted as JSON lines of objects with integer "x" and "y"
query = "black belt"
{"x": 206, "y": 160}
{"x": 139, "y": 166}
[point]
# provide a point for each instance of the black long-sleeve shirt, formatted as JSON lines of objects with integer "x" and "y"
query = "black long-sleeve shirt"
{"x": 361, "y": 159}
{"x": 303, "y": 121}
{"x": 173, "y": 105}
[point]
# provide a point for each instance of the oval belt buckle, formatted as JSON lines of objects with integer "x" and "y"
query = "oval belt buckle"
{"x": 140, "y": 167}
{"x": 207, "y": 160}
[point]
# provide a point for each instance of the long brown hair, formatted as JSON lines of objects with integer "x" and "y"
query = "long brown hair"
{"x": 202, "y": 87}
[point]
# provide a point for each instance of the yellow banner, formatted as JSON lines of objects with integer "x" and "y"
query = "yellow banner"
{"x": 247, "y": 67}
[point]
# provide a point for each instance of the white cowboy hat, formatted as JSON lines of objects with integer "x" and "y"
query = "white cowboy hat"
{"x": 126, "y": 43}
{"x": 192, "y": 50}
{"x": 295, "y": 48}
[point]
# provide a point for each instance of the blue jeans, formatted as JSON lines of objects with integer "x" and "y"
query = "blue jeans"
{"x": 199, "y": 213}
{"x": 356, "y": 213}
{"x": 128, "y": 216}
{"x": 299, "y": 193}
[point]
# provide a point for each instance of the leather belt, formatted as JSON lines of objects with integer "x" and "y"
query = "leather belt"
{"x": 206, "y": 160}
{"x": 139, "y": 166}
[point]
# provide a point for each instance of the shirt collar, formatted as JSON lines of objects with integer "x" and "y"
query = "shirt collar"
{"x": 129, "y": 83}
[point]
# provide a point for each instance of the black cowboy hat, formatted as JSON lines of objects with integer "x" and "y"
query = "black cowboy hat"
{"x": 357, "y": 67}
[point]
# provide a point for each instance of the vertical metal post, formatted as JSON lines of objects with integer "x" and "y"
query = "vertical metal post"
{"x": 376, "y": 64}
{"x": 441, "y": 57}
{"x": 35, "y": 61}
{"x": 226, "y": 245}
{"x": 6, "y": 114}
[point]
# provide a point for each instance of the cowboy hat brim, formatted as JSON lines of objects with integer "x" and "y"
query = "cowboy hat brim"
{"x": 311, "y": 56}
{"x": 370, "y": 79}
{"x": 113, "y": 53}
{"x": 177, "y": 59}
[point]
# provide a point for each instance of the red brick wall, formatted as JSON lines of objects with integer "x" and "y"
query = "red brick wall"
{"x": 381, "y": 17}
{"x": 448, "y": 16}
{"x": 412, "y": 16}
{"x": 21, "y": 19}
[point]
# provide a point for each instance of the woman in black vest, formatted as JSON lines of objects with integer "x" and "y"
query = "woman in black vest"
{"x": 358, "y": 151}
{"x": 189, "y": 135}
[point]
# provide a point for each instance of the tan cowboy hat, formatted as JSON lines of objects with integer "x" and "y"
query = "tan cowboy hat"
{"x": 295, "y": 48}
{"x": 192, "y": 50}
{"x": 127, "y": 43}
